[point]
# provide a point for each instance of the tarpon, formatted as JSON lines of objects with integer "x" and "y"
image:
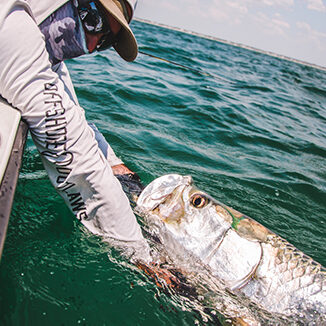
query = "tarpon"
{"x": 249, "y": 260}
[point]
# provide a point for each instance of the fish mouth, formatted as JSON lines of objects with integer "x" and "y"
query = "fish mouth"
{"x": 159, "y": 189}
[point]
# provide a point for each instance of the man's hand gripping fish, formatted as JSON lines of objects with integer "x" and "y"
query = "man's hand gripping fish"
{"x": 247, "y": 257}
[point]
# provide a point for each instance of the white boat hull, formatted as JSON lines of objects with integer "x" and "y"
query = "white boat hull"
{"x": 9, "y": 122}
{"x": 12, "y": 140}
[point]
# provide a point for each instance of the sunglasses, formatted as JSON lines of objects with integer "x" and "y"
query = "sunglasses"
{"x": 95, "y": 21}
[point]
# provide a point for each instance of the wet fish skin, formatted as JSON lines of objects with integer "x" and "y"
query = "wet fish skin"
{"x": 247, "y": 257}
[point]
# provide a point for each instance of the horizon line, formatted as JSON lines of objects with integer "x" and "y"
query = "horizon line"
{"x": 240, "y": 45}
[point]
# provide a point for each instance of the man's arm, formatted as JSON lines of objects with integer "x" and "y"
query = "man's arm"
{"x": 70, "y": 153}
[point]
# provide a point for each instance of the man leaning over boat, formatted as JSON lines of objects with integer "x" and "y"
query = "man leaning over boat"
{"x": 36, "y": 37}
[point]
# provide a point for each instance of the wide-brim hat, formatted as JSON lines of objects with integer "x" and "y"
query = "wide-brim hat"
{"x": 126, "y": 46}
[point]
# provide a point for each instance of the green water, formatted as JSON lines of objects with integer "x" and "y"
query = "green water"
{"x": 255, "y": 140}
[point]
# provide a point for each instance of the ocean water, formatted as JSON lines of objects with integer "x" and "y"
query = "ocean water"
{"x": 249, "y": 128}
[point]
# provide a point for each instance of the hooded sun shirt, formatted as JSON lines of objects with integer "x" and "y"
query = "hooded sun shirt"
{"x": 64, "y": 34}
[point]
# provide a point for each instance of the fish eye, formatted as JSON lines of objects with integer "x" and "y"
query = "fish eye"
{"x": 198, "y": 200}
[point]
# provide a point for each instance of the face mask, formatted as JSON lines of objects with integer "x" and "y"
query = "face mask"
{"x": 95, "y": 22}
{"x": 64, "y": 34}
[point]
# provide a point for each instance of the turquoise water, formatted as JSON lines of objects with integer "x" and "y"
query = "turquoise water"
{"x": 255, "y": 139}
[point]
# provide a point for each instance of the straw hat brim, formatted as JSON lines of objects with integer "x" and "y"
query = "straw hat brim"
{"x": 127, "y": 46}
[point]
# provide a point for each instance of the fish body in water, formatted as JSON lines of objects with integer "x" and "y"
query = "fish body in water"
{"x": 248, "y": 258}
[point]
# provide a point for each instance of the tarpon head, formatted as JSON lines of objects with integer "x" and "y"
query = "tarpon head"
{"x": 182, "y": 214}
{"x": 187, "y": 219}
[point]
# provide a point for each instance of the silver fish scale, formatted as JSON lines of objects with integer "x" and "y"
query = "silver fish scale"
{"x": 287, "y": 281}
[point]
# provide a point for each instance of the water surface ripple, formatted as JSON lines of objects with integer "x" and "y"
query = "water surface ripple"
{"x": 254, "y": 139}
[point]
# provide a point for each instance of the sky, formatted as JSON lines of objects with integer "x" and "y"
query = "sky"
{"x": 294, "y": 28}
